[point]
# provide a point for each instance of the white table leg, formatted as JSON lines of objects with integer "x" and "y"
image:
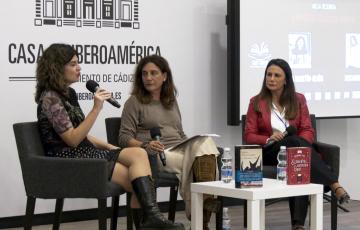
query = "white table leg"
{"x": 316, "y": 216}
{"x": 253, "y": 215}
{"x": 196, "y": 210}
{"x": 262, "y": 214}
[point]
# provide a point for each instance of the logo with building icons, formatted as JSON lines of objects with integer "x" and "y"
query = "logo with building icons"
{"x": 87, "y": 13}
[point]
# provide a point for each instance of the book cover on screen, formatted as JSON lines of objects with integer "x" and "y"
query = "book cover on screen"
{"x": 248, "y": 166}
{"x": 298, "y": 165}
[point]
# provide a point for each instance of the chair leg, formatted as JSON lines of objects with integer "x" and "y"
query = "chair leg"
{"x": 129, "y": 217}
{"x": 329, "y": 199}
{"x": 172, "y": 204}
{"x": 30, "y": 206}
{"x": 245, "y": 213}
{"x": 115, "y": 212}
{"x": 333, "y": 211}
{"x": 219, "y": 214}
{"x": 58, "y": 210}
{"x": 102, "y": 213}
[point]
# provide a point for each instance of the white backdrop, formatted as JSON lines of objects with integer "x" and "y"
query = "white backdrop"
{"x": 190, "y": 34}
{"x": 184, "y": 32}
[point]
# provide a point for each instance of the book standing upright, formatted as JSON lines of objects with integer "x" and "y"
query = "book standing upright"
{"x": 248, "y": 166}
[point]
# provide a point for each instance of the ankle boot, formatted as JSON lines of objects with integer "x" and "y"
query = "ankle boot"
{"x": 144, "y": 190}
{"x": 137, "y": 214}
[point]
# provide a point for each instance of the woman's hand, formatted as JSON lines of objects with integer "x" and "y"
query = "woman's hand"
{"x": 100, "y": 143}
{"x": 111, "y": 147}
{"x": 276, "y": 136}
{"x": 99, "y": 97}
{"x": 156, "y": 146}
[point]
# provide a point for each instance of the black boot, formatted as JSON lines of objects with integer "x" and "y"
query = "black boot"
{"x": 137, "y": 214}
{"x": 144, "y": 190}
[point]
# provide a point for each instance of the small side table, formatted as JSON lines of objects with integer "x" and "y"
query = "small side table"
{"x": 256, "y": 200}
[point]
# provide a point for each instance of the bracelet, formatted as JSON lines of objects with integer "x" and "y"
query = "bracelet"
{"x": 144, "y": 145}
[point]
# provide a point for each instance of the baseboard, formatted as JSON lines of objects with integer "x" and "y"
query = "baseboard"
{"x": 88, "y": 214}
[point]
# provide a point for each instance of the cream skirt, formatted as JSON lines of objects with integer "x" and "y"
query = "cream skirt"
{"x": 179, "y": 160}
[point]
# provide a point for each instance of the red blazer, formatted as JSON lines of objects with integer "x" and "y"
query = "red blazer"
{"x": 258, "y": 124}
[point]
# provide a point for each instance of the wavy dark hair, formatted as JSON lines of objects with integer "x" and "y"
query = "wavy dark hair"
{"x": 50, "y": 69}
{"x": 168, "y": 90}
{"x": 288, "y": 97}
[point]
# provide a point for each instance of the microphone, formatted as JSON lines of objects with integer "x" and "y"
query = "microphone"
{"x": 155, "y": 135}
{"x": 290, "y": 130}
{"x": 93, "y": 86}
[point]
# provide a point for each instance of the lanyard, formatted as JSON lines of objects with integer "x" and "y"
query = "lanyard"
{"x": 279, "y": 116}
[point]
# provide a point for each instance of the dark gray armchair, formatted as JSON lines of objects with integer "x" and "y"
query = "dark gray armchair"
{"x": 58, "y": 178}
{"x": 329, "y": 153}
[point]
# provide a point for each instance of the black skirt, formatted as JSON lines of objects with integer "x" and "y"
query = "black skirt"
{"x": 91, "y": 151}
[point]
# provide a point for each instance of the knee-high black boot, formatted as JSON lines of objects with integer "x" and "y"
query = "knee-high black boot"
{"x": 137, "y": 214}
{"x": 144, "y": 190}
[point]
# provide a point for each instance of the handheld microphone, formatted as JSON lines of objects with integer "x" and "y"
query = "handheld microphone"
{"x": 155, "y": 135}
{"x": 93, "y": 86}
{"x": 290, "y": 130}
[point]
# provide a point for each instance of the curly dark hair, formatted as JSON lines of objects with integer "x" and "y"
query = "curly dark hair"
{"x": 168, "y": 91}
{"x": 50, "y": 69}
{"x": 288, "y": 97}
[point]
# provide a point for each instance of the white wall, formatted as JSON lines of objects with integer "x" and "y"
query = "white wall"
{"x": 192, "y": 36}
{"x": 345, "y": 133}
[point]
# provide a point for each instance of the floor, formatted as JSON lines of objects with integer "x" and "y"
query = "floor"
{"x": 277, "y": 218}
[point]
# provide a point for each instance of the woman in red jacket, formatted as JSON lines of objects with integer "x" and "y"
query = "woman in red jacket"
{"x": 270, "y": 112}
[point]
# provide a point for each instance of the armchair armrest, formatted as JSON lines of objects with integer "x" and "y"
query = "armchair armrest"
{"x": 330, "y": 154}
{"x": 66, "y": 177}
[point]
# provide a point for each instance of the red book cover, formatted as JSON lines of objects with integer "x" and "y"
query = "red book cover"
{"x": 298, "y": 165}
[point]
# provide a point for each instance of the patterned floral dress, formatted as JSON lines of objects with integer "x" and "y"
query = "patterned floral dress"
{"x": 58, "y": 113}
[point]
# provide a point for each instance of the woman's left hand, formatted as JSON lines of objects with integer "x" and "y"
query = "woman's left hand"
{"x": 156, "y": 146}
{"x": 112, "y": 147}
{"x": 277, "y": 136}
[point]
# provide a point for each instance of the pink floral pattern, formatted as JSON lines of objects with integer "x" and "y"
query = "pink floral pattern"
{"x": 55, "y": 112}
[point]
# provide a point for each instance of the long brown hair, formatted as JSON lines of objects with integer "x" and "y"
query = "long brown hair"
{"x": 168, "y": 89}
{"x": 50, "y": 69}
{"x": 288, "y": 97}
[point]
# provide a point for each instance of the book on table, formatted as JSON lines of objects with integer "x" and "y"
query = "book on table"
{"x": 298, "y": 165}
{"x": 248, "y": 166}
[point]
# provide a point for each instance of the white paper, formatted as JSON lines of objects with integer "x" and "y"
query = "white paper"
{"x": 193, "y": 137}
